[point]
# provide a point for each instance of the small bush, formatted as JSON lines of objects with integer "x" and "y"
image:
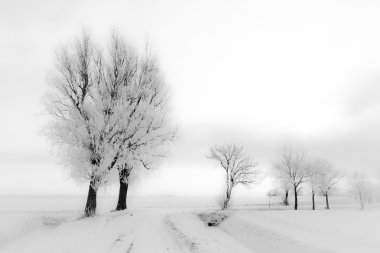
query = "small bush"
{"x": 212, "y": 219}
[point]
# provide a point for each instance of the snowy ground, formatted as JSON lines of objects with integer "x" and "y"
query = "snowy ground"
{"x": 173, "y": 225}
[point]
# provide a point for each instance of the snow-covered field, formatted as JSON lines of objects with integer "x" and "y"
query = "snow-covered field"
{"x": 170, "y": 224}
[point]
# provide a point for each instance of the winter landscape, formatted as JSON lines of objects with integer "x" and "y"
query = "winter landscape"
{"x": 189, "y": 126}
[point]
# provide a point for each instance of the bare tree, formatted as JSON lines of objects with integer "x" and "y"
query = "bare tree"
{"x": 239, "y": 168}
{"x": 360, "y": 188}
{"x": 272, "y": 193}
{"x": 313, "y": 175}
{"x": 327, "y": 179}
{"x": 285, "y": 187}
{"x": 292, "y": 167}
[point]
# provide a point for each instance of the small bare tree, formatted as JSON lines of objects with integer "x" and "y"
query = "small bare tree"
{"x": 360, "y": 188}
{"x": 272, "y": 193}
{"x": 285, "y": 188}
{"x": 313, "y": 174}
{"x": 327, "y": 179}
{"x": 292, "y": 167}
{"x": 239, "y": 168}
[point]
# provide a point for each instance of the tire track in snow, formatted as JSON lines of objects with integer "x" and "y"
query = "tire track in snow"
{"x": 180, "y": 237}
{"x": 152, "y": 235}
{"x": 129, "y": 223}
{"x": 207, "y": 239}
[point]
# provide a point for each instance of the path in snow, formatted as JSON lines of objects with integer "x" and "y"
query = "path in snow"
{"x": 159, "y": 230}
{"x": 133, "y": 232}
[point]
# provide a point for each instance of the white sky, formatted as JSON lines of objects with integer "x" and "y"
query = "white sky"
{"x": 258, "y": 73}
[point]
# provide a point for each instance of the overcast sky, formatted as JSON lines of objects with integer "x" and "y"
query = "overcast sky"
{"x": 258, "y": 73}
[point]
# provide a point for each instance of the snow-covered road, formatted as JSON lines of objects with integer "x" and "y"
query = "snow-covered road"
{"x": 160, "y": 230}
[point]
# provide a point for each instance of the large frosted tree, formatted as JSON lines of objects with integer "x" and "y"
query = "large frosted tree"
{"x": 104, "y": 109}
{"x": 147, "y": 125}
{"x": 80, "y": 120}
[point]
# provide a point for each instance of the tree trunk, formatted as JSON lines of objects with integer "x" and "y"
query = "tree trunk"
{"x": 312, "y": 194}
{"x": 124, "y": 172}
{"x": 327, "y": 201}
{"x": 361, "y": 201}
{"x": 286, "y": 202}
{"x": 295, "y": 198}
{"x": 225, "y": 204}
{"x": 91, "y": 201}
{"x": 123, "y": 189}
{"x": 228, "y": 196}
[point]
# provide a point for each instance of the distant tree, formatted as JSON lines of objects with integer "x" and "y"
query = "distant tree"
{"x": 239, "y": 168}
{"x": 313, "y": 178}
{"x": 292, "y": 167}
{"x": 360, "y": 188}
{"x": 284, "y": 188}
{"x": 272, "y": 193}
{"x": 327, "y": 179}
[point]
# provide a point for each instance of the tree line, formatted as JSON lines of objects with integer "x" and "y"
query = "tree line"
{"x": 292, "y": 171}
{"x": 110, "y": 111}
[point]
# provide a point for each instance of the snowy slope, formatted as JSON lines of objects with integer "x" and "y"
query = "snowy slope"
{"x": 306, "y": 230}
